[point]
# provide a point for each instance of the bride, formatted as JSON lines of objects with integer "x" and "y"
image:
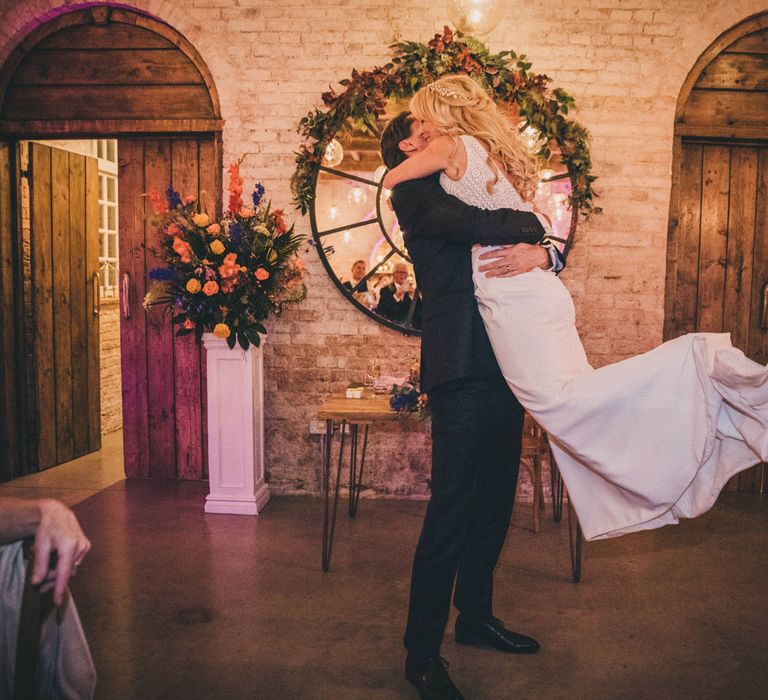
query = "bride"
{"x": 640, "y": 443}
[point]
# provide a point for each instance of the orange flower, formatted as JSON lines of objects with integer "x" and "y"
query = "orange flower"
{"x": 183, "y": 249}
{"x": 159, "y": 203}
{"x": 221, "y": 330}
{"x": 217, "y": 247}
{"x": 173, "y": 230}
{"x": 246, "y": 212}
{"x": 235, "y": 188}
{"x": 229, "y": 268}
{"x": 188, "y": 324}
{"x": 214, "y": 229}
{"x": 201, "y": 219}
{"x": 261, "y": 274}
{"x": 193, "y": 286}
{"x": 210, "y": 288}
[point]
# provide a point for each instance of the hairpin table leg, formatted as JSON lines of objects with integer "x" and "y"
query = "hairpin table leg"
{"x": 328, "y": 532}
{"x": 355, "y": 470}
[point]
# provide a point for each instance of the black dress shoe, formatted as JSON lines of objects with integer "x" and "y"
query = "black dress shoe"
{"x": 431, "y": 678}
{"x": 492, "y": 633}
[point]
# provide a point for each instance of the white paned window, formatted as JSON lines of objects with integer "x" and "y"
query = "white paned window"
{"x": 106, "y": 151}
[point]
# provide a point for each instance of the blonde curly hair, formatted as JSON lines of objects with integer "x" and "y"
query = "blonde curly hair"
{"x": 456, "y": 104}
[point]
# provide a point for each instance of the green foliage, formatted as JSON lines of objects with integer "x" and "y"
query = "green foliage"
{"x": 506, "y": 75}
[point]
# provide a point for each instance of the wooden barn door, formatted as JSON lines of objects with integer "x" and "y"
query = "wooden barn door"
{"x": 164, "y": 414}
{"x": 64, "y": 245}
{"x": 13, "y": 458}
{"x": 722, "y": 275}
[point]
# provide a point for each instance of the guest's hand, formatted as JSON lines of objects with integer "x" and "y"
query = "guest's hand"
{"x": 512, "y": 260}
{"x": 58, "y": 532}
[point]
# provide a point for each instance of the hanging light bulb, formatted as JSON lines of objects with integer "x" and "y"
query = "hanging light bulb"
{"x": 334, "y": 154}
{"x": 357, "y": 196}
{"x": 531, "y": 138}
{"x": 476, "y": 17}
{"x": 333, "y": 212}
{"x": 347, "y": 236}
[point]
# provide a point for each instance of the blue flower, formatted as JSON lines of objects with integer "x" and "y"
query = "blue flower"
{"x": 162, "y": 274}
{"x": 258, "y": 193}
{"x": 236, "y": 233}
{"x": 174, "y": 200}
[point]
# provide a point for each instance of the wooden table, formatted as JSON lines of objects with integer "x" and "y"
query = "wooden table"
{"x": 338, "y": 412}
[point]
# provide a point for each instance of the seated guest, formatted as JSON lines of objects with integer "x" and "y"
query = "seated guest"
{"x": 57, "y": 534}
{"x": 358, "y": 272}
{"x": 396, "y": 298}
{"x": 45, "y": 636}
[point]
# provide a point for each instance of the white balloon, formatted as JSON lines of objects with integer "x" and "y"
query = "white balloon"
{"x": 476, "y": 17}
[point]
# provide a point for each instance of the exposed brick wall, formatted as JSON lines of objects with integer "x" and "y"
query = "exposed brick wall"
{"x": 109, "y": 357}
{"x": 623, "y": 60}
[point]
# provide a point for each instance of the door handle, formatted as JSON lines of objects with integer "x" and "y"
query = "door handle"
{"x": 96, "y": 293}
{"x": 125, "y": 294}
{"x": 764, "y": 314}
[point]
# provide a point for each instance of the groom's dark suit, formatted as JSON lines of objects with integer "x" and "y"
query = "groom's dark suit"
{"x": 476, "y": 420}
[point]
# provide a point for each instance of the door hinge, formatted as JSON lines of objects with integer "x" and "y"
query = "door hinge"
{"x": 24, "y": 174}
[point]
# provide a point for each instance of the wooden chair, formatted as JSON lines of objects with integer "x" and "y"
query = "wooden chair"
{"x": 34, "y": 607}
{"x": 535, "y": 446}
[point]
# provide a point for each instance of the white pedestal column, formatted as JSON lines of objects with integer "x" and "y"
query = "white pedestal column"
{"x": 235, "y": 428}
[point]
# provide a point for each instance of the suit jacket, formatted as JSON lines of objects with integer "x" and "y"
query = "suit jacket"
{"x": 389, "y": 307}
{"x": 439, "y": 231}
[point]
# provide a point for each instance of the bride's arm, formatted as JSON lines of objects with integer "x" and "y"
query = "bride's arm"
{"x": 434, "y": 158}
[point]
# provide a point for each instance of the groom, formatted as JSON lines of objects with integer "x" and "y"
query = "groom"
{"x": 476, "y": 420}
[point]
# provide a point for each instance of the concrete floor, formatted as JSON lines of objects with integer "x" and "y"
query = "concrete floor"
{"x": 179, "y": 604}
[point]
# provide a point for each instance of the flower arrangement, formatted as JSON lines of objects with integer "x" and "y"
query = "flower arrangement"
{"x": 407, "y": 397}
{"x": 505, "y": 75}
{"x": 225, "y": 276}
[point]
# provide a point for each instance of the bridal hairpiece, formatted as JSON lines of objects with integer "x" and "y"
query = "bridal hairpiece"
{"x": 443, "y": 91}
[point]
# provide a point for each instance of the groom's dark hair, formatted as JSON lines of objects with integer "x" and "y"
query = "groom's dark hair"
{"x": 399, "y": 128}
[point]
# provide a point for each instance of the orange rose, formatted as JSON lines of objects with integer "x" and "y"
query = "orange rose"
{"x": 217, "y": 247}
{"x": 193, "y": 286}
{"x": 221, "y": 330}
{"x": 261, "y": 274}
{"x": 210, "y": 288}
{"x": 246, "y": 212}
{"x": 214, "y": 229}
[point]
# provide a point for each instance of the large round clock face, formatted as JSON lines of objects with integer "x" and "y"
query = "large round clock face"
{"x": 359, "y": 239}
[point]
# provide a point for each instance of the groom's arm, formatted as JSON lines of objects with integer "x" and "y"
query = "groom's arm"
{"x": 425, "y": 209}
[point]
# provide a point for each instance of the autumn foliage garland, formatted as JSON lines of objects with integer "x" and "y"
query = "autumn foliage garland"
{"x": 506, "y": 76}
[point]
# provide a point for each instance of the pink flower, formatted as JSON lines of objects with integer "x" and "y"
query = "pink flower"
{"x": 262, "y": 274}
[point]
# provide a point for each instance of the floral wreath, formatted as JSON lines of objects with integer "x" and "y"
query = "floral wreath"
{"x": 505, "y": 75}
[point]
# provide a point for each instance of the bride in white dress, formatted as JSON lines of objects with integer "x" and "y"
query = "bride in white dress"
{"x": 640, "y": 443}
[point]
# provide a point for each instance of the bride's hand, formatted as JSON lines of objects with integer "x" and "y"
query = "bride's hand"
{"x": 512, "y": 260}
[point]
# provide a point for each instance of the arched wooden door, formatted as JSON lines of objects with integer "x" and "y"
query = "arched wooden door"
{"x": 110, "y": 72}
{"x": 717, "y": 256}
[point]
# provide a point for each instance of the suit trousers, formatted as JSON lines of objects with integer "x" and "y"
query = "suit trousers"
{"x": 476, "y": 441}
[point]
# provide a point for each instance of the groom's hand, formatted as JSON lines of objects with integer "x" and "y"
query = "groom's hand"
{"x": 512, "y": 260}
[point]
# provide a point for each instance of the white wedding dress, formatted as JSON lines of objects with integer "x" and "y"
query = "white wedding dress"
{"x": 640, "y": 443}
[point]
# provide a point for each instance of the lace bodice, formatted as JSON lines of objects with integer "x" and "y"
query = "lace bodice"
{"x": 471, "y": 188}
